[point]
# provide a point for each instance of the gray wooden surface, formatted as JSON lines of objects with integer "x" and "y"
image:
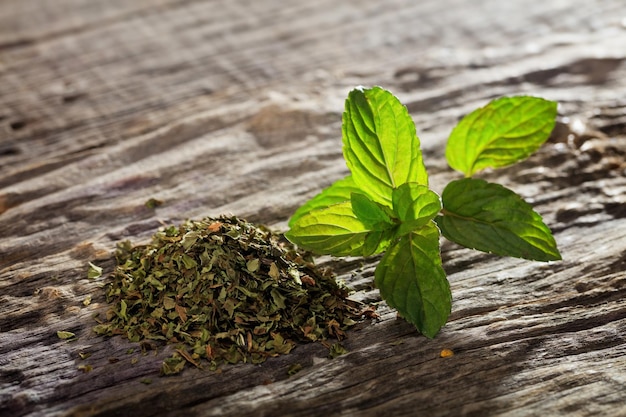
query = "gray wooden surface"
{"x": 221, "y": 107}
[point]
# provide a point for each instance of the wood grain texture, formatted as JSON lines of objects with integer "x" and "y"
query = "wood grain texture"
{"x": 234, "y": 107}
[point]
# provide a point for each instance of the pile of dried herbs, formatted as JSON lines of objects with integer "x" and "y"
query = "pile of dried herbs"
{"x": 224, "y": 290}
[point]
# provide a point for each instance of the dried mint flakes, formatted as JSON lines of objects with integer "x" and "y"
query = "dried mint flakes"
{"x": 223, "y": 290}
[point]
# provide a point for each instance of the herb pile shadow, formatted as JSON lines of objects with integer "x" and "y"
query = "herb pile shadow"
{"x": 385, "y": 205}
{"x": 223, "y": 290}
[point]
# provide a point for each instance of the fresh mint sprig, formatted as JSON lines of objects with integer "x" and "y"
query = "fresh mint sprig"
{"x": 385, "y": 204}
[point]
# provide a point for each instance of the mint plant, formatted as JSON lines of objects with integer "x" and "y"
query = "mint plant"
{"x": 385, "y": 204}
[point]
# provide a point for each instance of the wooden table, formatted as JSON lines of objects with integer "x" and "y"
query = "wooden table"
{"x": 219, "y": 107}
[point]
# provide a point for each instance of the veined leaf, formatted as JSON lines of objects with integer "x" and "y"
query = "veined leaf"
{"x": 338, "y": 192}
{"x": 415, "y": 205}
{"x": 377, "y": 218}
{"x": 503, "y": 132}
{"x": 411, "y": 279}
{"x": 374, "y": 215}
{"x": 378, "y": 241}
{"x": 333, "y": 230}
{"x": 380, "y": 145}
{"x": 492, "y": 218}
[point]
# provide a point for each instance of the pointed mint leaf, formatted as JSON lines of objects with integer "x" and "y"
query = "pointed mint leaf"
{"x": 411, "y": 279}
{"x": 338, "y": 192}
{"x": 377, "y": 218}
{"x": 491, "y": 218}
{"x": 333, "y": 230}
{"x": 415, "y": 205}
{"x": 503, "y": 132}
{"x": 374, "y": 216}
{"x": 377, "y": 241}
{"x": 380, "y": 145}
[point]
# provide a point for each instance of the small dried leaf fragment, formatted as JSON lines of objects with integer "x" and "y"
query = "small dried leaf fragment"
{"x": 85, "y": 368}
{"x": 294, "y": 369}
{"x": 153, "y": 203}
{"x": 65, "y": 335}
{"x": 94, "y": 271}
{"x": 446, "y": 353}
{"x": 215, "y": 227}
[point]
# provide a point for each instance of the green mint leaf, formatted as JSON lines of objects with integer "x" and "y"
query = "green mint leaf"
{"x": 377, "y": 218}
{"x": 491, "y": 218}
{"x": 503, "y": 132}
{"x": 374, "y": 216}
{"x": 332, "y": 230}
{"x": 415, "y": 205}
{"x": 338, "y": 192}
{"x": 378, "y": 241}
{"x": 411, "y": 279}
{"x": 380, "y": 145}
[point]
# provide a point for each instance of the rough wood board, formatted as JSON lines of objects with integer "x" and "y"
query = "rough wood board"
{"x": 234, "y": 107}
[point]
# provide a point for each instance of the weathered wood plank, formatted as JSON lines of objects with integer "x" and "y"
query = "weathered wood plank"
{"x": 234, "y": 107}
